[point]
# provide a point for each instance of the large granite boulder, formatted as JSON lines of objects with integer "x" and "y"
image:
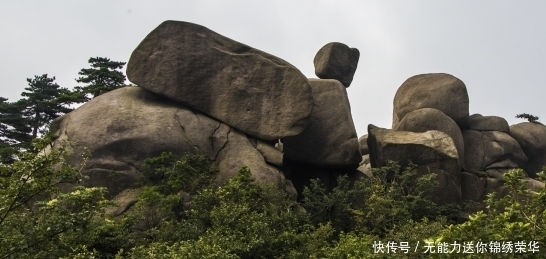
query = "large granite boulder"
{"x": 330, "y": 139}
{"x": 488, "y": 123}
{"x": 443, "y": 92}
{"x": 531, "y": 136}
{"x": 123, "y": 127}
{"x": 336, "y": 61}
{"x": 426, "y": 119}
{"x": 432, "y": 151}
{"x": 248, "y": 89}
{"x": 491, "y": 149}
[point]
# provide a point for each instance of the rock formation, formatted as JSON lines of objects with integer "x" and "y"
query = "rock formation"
{"x": 252, "y": 91}
{"x": 125, "y": 126}
{"x": 443, "y": 92}
{"x": 336, "y": 61}
{"x": 201, "y": 92}
{"x": 330, "y": 139}
{"x": 432, "y": 151}
{"x": 488, "y": 123}
{"x": 486, "y": 145}
{"x": 532, "y": 138}
{"x": 426, "y": 119}
{"x": 491, "y": 149}
{"x": 363, "y": 143}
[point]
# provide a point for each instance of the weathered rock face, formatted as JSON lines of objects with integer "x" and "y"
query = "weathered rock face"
{"x": 432, "y": 151}
{"x": 125, "y": 126}
{"x": 488, "y": 123}
{"x": 476, "y": 188}
{"x": 491, "y": 149}
{"x": 248, "y": 89}
{"x": 330, "y": 139}
{"x": 365, "y": 167}
{"x": 426, "y": 119}
{"x": 433, "y": 148}
{"x": 532, "y": 139}
{"x": 443, "y": 92}
{"x": 336, "y": 61}
{"x": 363, "y": 143}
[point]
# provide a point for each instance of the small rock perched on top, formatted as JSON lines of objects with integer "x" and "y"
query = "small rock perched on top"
{"x": 336, "y": 61}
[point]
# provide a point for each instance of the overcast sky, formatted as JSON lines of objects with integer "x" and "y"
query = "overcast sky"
{"x": 498, "y": 48}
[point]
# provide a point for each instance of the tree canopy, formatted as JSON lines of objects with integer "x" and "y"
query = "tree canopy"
{"x": 44, "y": 100}
{"x": 102, "y": 77}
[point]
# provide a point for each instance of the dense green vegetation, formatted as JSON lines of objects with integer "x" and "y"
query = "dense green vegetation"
{"x": 182, "y": 212}
{"x": 242, "y": 219}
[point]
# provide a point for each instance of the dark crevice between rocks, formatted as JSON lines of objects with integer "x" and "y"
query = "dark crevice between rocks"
{"x": 184, "y": 132}
{"x": 211, "y": 136}
{"x": 223, "y": 146}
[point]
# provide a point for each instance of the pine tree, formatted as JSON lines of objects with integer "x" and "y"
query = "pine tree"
{"x": 13, "y": 127}
{"x": 102, "y": 77}
{"x": 14, "y": 131}
{"x": 45, "y": 100}
{"x": 528, "y": 117}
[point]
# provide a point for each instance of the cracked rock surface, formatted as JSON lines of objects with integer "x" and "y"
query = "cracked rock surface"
{"x": 123, "y": 127}
{"x": 248, "y": 89}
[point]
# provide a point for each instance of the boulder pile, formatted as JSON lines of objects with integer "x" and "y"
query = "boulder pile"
{"x": 486, "y": 147}
{"x": 201, "y": 92}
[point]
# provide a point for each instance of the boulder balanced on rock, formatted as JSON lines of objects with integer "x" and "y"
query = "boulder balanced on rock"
{"x": 330, "y": 139}
{"x": 422, "y": 120}
{"x": 336, "y": 61}
{"x": 248, "y": 89}
{"x": 443, "y": 92}
{"x": 123, "y": 127}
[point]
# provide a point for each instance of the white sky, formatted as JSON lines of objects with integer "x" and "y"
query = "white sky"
{"x": 498, "y": 48}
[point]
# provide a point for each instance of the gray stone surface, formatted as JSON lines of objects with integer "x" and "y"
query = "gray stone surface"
{"x": 330, "y": 139}
{"x": 474, "y": 188}
{"x": 443, "y": 92}
{"x": 432, "y": 151}
{"x": 240, "y": 152}
{"x": 488, "y": 123}
{"x": 485, "y": 148}
{"x": 426, "y": 119}
{"x": 336, "y": 61}
{"x": 363, "y": 143}
{"x": 248, "y": 89}
{"x": 271, "y": 154}
{"x": 532, "y": 139}
{"x": 125, "y": 126}
{"x": 365, "y": 167}
{"x": 124, "y": 201}
{"x": 434, "y": 148}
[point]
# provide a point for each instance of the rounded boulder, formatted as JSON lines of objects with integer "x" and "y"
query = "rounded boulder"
{"x": 443, "y": 92}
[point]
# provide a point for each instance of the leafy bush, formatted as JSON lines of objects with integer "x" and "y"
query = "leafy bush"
{"x": 378, "y": 205}
{"x": 190, "y": 173}
{"x": 518, "y": 217}
{"x": 242, "y": 219}
{"x": 37, "y": 220}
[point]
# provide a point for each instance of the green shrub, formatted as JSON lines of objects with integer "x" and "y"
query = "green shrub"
{"x": 37, "y": 220}
{"x": 242, "y": 219}
{"x": 517, "y": 217}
